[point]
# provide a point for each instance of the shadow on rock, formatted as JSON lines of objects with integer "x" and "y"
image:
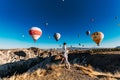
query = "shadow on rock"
{"x": 9, "y": 69}
{"x": 20, "y": 53}
{"x": 102, "y": 62}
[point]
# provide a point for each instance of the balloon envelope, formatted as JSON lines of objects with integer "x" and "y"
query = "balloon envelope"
{"x": 97, "y": 37}
{"x": 119, "y": 24}
{"x": 82, "y": 45}
{"x": 57, "y": 36}
{"x": 49, "y": 37}
{"x": 92, "y": 20}
{"x": 35, "y": 33}
{"x": 78, "y": 35}
{"x": 60, "y": 45}
{"x": 23, "y": 36}
{"x": 46, "y": 24}
{"x": 116, "y": 17}
{"x": 79, "y": 44}
{"x": 87, "y": 32}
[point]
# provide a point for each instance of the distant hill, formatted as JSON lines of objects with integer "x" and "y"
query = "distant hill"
{"x": 117, "y": 46}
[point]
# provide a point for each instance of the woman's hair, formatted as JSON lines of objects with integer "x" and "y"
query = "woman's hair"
{"x": 64, "y": 43}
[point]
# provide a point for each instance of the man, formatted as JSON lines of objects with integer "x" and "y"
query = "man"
{"x": 65, "y": 56}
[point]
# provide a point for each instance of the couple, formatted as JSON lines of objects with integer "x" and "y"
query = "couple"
{"x": 65, "y": 56}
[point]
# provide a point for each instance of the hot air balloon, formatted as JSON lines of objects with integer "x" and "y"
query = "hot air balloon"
{"x": 119, "y": 24}
{"x": 57, "y": 36}
{"x": 92, "y": 19}
{"x": 49, "y": 37}
{"x": 116, "y": 17}
{"x": 23, "y": 36}
{"x": 35, "y": 33}
{"x": 82, "y": 45}
{"x": 46, "y": 24}
{"x": 60, "y": 45}
{"x": 97, "y": 37}
{"x": 79, "y": 44}
{"x": 88, "y": 33}
{"x": 78, "y": 35}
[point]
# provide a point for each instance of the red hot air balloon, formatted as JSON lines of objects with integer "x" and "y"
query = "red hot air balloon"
{"x": 35, "y": 33}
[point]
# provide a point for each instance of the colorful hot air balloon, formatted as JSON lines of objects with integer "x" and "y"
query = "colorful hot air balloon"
{"x": 60, "y": 45}
{"x": 88, "y": 33}
{"x": 57, "y": 36}
{"x": 46, "y": 24}
{"x": 97, "y": 37}
{"x": 79, "y": 44}
{"x": 82, "y": 45}
{"x": 49, "y": 37}
{"x": 35, "y": 33}
{"x": 78, "y": 35}
{"x": 116, "y": 17}
{"x": 23, "y": 36}
{"x": 119, "y": 24}
{"x": 92, "y": 20}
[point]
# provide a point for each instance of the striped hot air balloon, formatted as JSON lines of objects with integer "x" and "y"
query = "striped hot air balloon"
{"x": 35, "y": 33}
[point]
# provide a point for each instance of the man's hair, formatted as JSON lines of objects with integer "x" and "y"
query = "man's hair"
{"x": 64, "y": 43}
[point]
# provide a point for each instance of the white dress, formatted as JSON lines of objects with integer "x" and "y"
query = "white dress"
{"x": 65, "y": 51}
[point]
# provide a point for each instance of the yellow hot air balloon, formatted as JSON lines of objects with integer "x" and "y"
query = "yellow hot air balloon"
{"x": 97, "y": 37}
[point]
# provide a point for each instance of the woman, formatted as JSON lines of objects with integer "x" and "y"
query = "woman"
{"x": 65, "y": 56}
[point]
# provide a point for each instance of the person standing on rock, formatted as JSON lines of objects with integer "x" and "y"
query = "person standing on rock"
{"x": 65, "y": 56}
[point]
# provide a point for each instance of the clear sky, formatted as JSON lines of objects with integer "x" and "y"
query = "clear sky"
{"x": 68, "y": 17}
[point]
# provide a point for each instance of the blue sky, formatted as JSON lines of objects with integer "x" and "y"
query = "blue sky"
{"x": 69, "y": 18}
